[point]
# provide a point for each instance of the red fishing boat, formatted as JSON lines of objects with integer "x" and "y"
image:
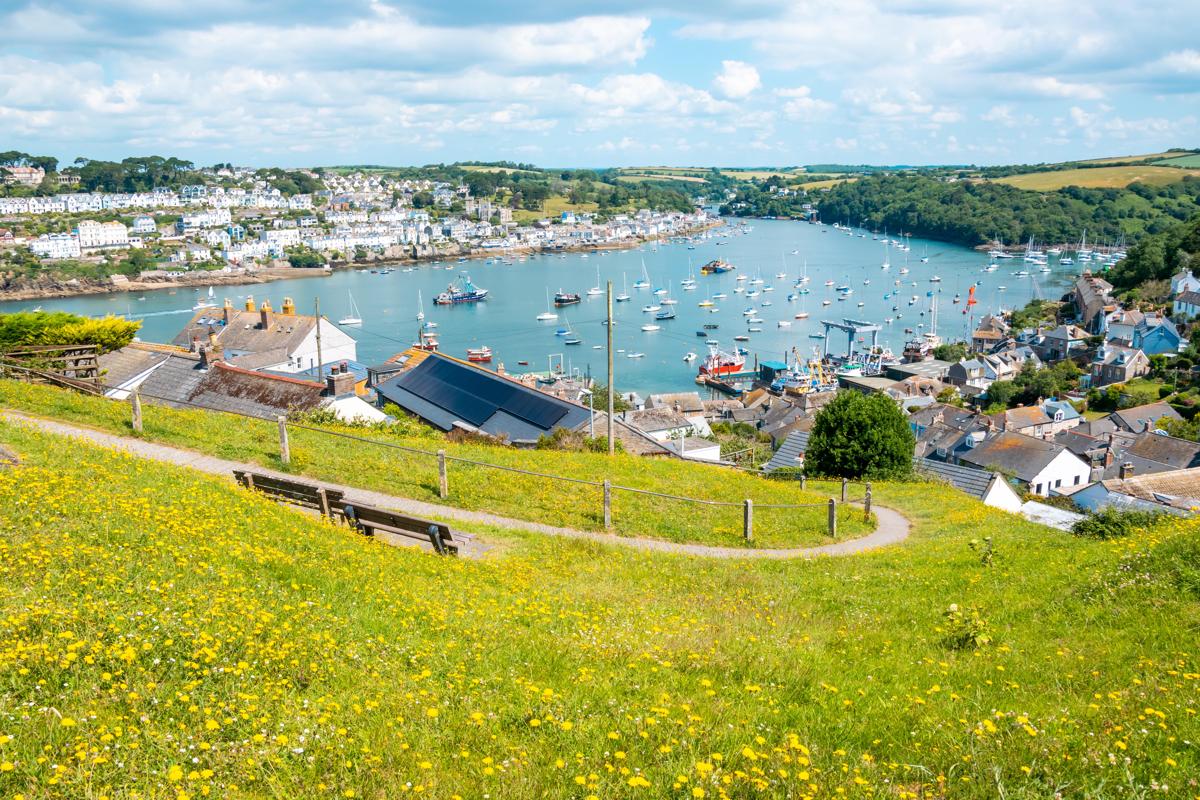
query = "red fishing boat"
{"x": 719, "y": 362}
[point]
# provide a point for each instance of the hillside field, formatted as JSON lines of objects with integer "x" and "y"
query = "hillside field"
{"x": 165, "y": 635}
{"x": 1097, "y": 177}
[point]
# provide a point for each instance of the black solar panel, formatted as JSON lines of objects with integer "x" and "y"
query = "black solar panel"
{"x": 474, "y": 396}
{"x": 464, "y": 405}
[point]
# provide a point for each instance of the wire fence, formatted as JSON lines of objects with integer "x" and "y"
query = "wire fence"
{"x": 834, "y": 507}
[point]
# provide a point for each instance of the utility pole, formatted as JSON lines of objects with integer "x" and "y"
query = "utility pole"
{"x": 611, "y": 445}
{"x": 317, "y": 312}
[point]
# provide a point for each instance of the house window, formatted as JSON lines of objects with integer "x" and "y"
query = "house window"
{"x": 1058, "y": 483}
{"x": 1077, "y": 478}
{"x": 1038, "y": 489}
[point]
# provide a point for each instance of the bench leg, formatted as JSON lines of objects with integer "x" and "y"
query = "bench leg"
{"x": 435, "y": 538}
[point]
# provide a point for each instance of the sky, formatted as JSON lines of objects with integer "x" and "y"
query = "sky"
{"x": 695, "y": 82}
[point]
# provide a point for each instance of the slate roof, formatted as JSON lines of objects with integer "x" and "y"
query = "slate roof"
{"x": 972, "y": 480}
{"x": 1020, "y": 455}
{"x": 1177, "y": 489}
{"x": 1139, "y": 418}
{"x": 1177, "y": 453}
{"x": 1189, "y": 298}
{"x": 255, "y": 394}
{"x": 1020, "y": 418}
{"x": 657, "y": 419}
{"x": 120, "y": 366}
{"x": 789, "y": 452}
{"x": 688, "y": 402}
{"x": 449, "y": 393}
{"x": 244, "y": 339}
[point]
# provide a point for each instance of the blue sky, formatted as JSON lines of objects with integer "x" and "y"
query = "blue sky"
{"x": 746, "y": 82}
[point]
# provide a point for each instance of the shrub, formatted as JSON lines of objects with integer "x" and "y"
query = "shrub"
{"x": 1113, "y": 523}
{"x": 964, "y": 629}
{"x": 60, "y": 328}
{"x": 860, "y": 436}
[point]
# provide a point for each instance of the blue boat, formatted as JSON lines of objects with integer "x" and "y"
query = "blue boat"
{"x": 666, "y": 313}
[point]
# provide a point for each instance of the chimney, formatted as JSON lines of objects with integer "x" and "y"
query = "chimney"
{"x": 500, "y": 368}
{"x": 1126, "y": 470}
{"x": 289, "y": 308}
{"x": 250, "y": 303}
{"x": 212, "y": 338}
{"x": 208, "y": 355}
{"x": 264, "y": 315}
{"x": 227, "y": 312}
{"x": 195, "y": 343}
{"x": 340, "y": 381}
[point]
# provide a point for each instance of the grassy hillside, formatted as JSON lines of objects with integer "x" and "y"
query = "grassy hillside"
{"x": 511, "y": 494}
{"x": 165, "y": 635}
{"x": 1099, "y": 177}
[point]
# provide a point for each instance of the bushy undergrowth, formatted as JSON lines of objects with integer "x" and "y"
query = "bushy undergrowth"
{"x": 1114, "y": 523}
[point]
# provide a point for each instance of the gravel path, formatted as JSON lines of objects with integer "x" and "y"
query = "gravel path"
{"x": 892, "y": 528}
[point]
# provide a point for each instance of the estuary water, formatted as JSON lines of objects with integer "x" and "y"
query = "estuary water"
{"x": 507, "y": 321}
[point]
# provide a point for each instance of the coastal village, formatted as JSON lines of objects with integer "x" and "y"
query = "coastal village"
{"x": 356, "y": 218}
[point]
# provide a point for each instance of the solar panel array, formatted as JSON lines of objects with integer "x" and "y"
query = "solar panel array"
{"x": 474, "y": 396}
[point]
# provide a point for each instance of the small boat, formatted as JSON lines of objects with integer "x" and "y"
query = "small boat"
{"x": 572, "y": 341}
{"x": 522, "y": 363}
{"x": 816, "y": 336}
{"x": 935, "y": 279}
{"x": 720, "y": 296}
{"x": 755, "y": 330}
{"x": 690, "y": 357}
{"x": 741, "y": 338}
{"x": 784, "y": 323}
{"x": 701, "y": 334}
{"x": 826, "y": 302}
{"x": 651, "y": 309}
{"x": 802, "y": 315}
{"x": 711, "y": 326}
{"x": 353, "y": 317}
{"x": 635, "y": 355}
{"x": 666, "y": 313}
{"x": 706, "y": 304}
{"x": 649, "y": 327}
{"x": 479, "y": 355}
{"x": 624, "y": 295}
{"x": 547, "y": 314}
{"x": 562, "y": 298}
{"x": 829, "y": 283}
{"x": 596, "y": 290}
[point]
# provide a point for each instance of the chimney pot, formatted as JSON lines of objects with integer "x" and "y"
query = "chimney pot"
{"x": 264, "y": 315}
{"x": 1126, "y": 470}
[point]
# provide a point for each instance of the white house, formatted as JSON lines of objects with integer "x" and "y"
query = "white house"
{"x": 93, "y": 234}
{"x": 56, "y": 245}
{"x": 1041, "y": 466}
{"x": 990, "y": 488}
{"x": 144, "y": 223}
{"x": 1184, "y": 281}
{"x": 1186, "y": 305}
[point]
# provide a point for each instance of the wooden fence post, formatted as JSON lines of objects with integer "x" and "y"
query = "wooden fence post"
{"x": 832, "y": 518}
{"x": 607, "y": 504}
{"x": 135, "y": 400}
{"x": 867, "y": 505}
{"x": 748, "y": 520}
{"x": 443, "y": 478}
{"x": 285, "y": 452}
{"x": 844, "y": 482}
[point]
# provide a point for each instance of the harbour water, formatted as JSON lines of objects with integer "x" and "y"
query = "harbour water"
{"x": 507, "y": 321}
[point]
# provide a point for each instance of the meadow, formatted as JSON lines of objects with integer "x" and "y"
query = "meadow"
{"x": 165, "y": 635}
{"x": 523, "y": 497}
{"x": 1097, "y": 177}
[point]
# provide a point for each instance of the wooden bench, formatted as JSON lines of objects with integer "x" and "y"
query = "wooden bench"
{"x": 307, "y": 495}
{"x": 365, "y": 519}
{"x": 368, "y": 520}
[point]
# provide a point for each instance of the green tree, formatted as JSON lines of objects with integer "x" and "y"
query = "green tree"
{"x": 860, "y": 436}
{"x": 1001, "y": 393}
{"x": 951, "y": 351}
{"x": 59, "y": 327}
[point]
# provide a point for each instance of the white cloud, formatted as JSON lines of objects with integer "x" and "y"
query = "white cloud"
{"x": 737, "y": 79}
{"x": 1053, "y": 87}
{"x": 801, "y": 105}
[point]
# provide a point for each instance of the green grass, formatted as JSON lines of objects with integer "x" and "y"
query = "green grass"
{"x": 201, "y": 640}
{"x": 1142, "y": 391}
{"x": 534, "y": 499}
{"x": 1096, "y": 177}
{"x": 553, "y": 208}
{"x": 1181, "y": 161}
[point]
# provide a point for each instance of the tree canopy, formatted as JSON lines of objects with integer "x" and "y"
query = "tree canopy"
{"x": 860, "y": 436}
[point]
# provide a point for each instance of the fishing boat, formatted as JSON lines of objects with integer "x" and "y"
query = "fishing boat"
{"x": 547, "y": 315}
{"x": 716, "y": 267}
{"x": 479, "y": 355}
{"x": 353, "y": 317}
{"x": 461, "y": 291}
{"x": 719, "y": 362}
{"x": 562, "y": 298}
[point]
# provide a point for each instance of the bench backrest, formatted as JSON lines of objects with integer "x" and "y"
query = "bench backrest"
{"x": 295, "y": 492}
{"x": 369, "y": 517}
